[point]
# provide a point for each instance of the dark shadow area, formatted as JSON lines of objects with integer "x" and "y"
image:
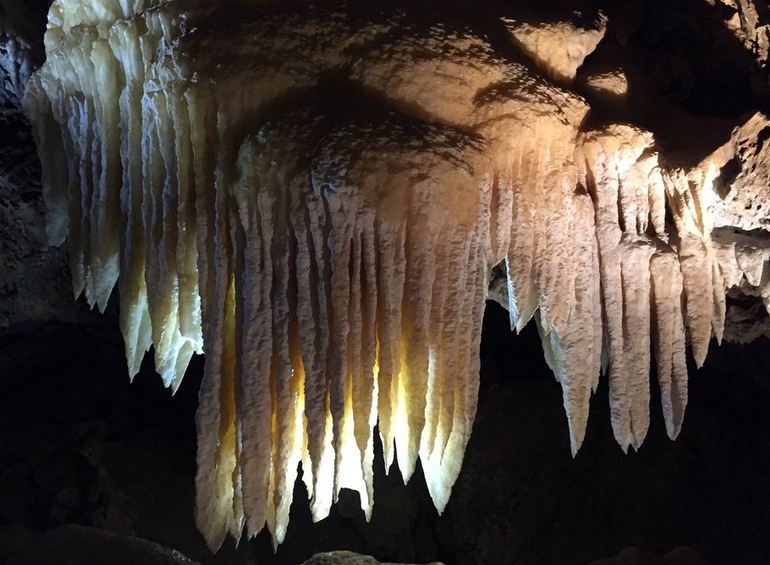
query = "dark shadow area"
{"x": 80, "y": 444}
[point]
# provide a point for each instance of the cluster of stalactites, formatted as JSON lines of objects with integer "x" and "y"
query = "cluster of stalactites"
{"x": 109, "y": 144}
{"x": 590, "y": 258}
{"x": 323, "y": 312}
{"x": 352, "y": 296}
{"x": 325, "y": 307}
{"x": 646, "y": 277}
{"x": 334, "y": 260}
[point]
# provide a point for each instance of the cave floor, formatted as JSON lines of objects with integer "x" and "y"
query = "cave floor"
{"x": 80, "y": 444}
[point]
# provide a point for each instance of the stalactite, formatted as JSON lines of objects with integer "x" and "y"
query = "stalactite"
{"x": 326, "y": 243}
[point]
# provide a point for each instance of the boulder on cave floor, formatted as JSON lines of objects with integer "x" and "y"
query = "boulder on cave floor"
{"x": 78, "y": 545}
{"x": 346, "y": 558}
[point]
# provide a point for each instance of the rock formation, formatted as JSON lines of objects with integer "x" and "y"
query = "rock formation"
{"x": 314, "y": 195}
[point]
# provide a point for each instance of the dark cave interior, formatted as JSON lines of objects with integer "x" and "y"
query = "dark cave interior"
{"x": 80, "y": 444}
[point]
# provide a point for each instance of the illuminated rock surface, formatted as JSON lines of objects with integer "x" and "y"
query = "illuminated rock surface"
{"x": 314, "y": 197}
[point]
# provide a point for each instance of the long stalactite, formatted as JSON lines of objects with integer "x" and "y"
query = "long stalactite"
{"x": 314, "y": 196}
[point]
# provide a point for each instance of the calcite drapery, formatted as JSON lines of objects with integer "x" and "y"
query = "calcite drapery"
{"x": 313, "y": 196}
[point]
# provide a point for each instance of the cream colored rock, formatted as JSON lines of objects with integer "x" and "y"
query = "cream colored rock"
{"x": 315, "y": 202}
{"x": 742, "y": 177}
{"x": 558, "y": 48}
{"x": 607, "y": 88}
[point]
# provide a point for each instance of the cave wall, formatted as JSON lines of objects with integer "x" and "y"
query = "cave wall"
{"x": 83, "y": 446}
{"x": 34, "y": 280}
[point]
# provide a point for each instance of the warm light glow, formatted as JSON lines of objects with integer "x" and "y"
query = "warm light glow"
{"x": 330, "y": 252}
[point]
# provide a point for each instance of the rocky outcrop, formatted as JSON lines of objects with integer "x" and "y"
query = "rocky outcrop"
{"x": 21, "y": 48}
{"x": 327, "y": 243}
{"x": 346, "y": 558}
{"x": 743, "y": 184}
{"x": 90, "y": 546}
{"x": 749, "y": 22}
{"x": 34, "y": 279}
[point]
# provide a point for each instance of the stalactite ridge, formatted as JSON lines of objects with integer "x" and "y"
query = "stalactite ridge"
{"x": 326, "y": 242}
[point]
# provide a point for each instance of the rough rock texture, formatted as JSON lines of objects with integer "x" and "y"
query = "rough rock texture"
{"x": 327, "y": 241}
{"x": 21, "y": 48}
{"x": 33, "y": 282}
{"x": 557, "y": 47}
{"x": 692, "y": 47}
{"x": 93, "y": 449}
{"x": 76, "y": 545}
{"x": 34, "y": 279}
{"x": 745, "y": 321}
{"x": 748, "y": 21}
{"x": 345, "y": 558}
{"x": 743, "y": 184}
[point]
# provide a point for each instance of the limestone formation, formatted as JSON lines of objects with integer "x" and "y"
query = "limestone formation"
{"x": 314, "y": 196}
